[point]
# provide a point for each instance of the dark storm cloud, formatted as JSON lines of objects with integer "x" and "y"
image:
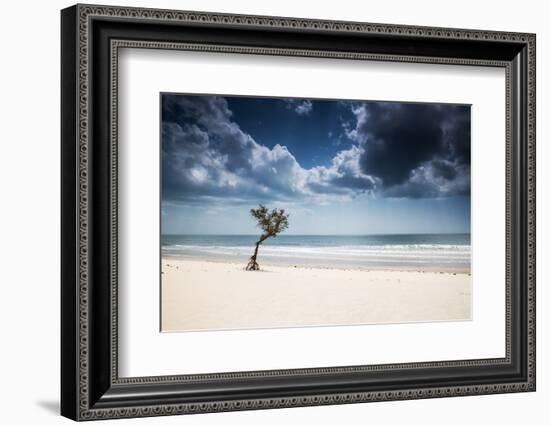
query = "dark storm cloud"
{"x": 397, "y": 150}
{"x": 416, "y": 150}
{"x": 444, "y": 169}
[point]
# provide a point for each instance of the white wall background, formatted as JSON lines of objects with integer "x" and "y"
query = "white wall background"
{"x": 29, "y": 213}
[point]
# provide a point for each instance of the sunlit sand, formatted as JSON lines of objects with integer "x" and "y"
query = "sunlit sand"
{"x": 206, "y": 295}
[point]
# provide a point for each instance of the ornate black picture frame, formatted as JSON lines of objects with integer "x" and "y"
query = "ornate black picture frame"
{"x": 91, "y": 387}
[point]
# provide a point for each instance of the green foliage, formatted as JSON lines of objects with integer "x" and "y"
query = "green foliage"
{"x": 271, "y": 222}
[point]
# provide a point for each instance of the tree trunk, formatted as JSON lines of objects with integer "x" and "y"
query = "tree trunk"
{"x": 252, "y": 264}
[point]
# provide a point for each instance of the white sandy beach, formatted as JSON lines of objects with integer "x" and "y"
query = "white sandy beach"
{"x": 206, "y": 295}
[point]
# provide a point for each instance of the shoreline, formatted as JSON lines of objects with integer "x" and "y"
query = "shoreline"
{"x": 313, "y": 265}
{"x": 199, "y": 295}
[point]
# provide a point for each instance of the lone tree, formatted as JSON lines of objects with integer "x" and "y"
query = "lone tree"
{"x": 272, "y": 223}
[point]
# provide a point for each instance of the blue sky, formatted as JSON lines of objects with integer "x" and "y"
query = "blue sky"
{"x": 338, "y": 167}
{"x": 313, "y": 136}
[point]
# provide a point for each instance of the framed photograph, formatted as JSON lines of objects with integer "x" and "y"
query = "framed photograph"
{"x": 263, "y": 212}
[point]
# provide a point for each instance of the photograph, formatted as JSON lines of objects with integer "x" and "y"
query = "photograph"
{"x": 265, "y": 209}
{"x": 292, "y": 212}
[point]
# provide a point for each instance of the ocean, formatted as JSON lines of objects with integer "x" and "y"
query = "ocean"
{"x": 440, "y": 252}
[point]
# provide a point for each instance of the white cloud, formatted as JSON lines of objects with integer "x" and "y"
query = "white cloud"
{"x": 301, "y": 107}
{"x": 213, "y": 157}
{"x": 304, "y": 108}
{"x": 199, "y": 174}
